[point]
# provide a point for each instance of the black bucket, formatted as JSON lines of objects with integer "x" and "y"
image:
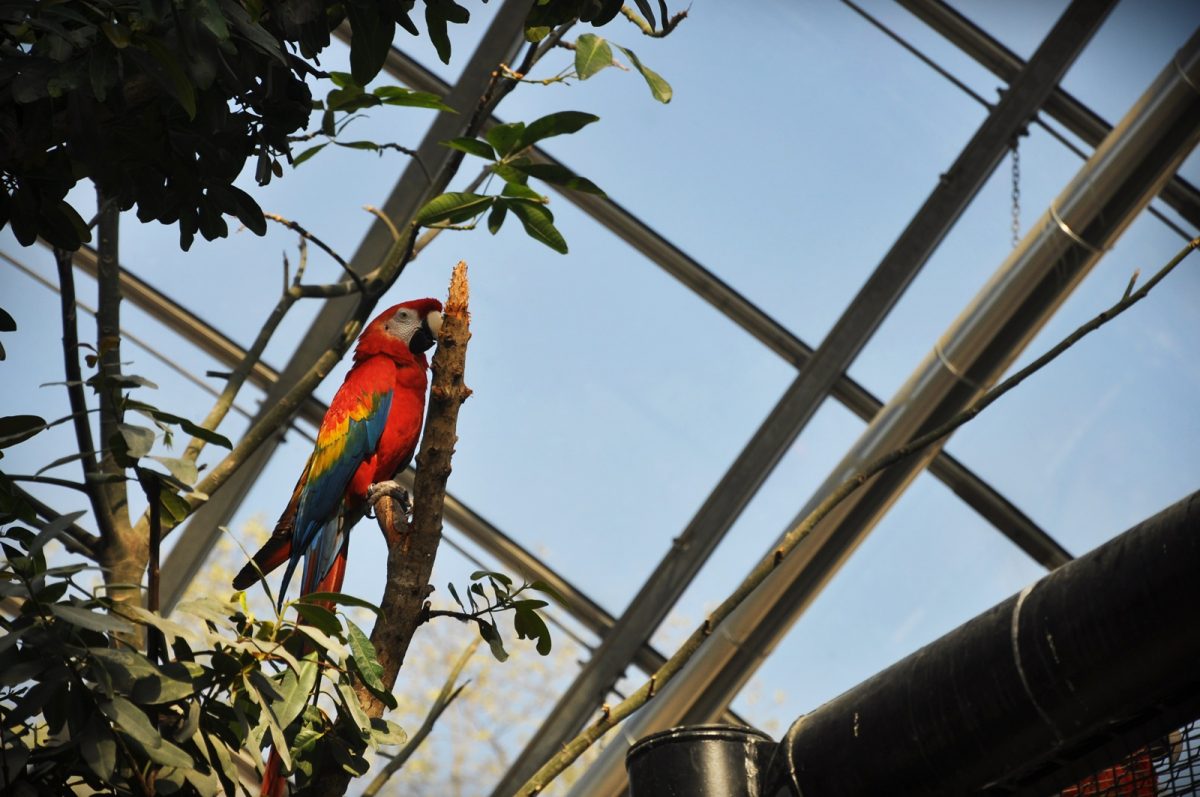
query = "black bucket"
{"x": 699, "y": 761}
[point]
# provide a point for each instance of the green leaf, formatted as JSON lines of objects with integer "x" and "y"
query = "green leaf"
{"x": 209, "y": 14}
{"x": 660, "y": 88}
{"x": 437, "y": 14}
{"x": 454, "y": 594}
{"x": 352, "y": 703}
{"x": 174, "y": 507}
{"x": 495, "y": 219}
{"x": 118, "y": 34}
{"x": 560, "y": 175}
{"x": 181, "y": 469}
{"x": 555, "y": 124}
{"x": 501, "y": 577}
{"x": 15, "y": 428}
{"x": 98, "y": 748}
{"x": 132, "y": 722}
{"x": 92, "y": 621}
{"x": 320, "y": 617}
{"x": 331, "y": 646}
{"x": 308, "y": 153}
{"x": 530, "y": 625}
{"x": 396, "y": 95}
{"x": 295, "y": 700}
{"x": 337, "y": 597}
{"x": 365, "y": 658}
{"x": 195, "y": 430}
{"x": 523, "y": 191}
{"x": 492, "y": 637}
{"x": 539, "y": 223}
{"x": 53, "y": 529}
{"x": 267, "y": 716}
{"x": 138, "y": 439}
{"x": 505, "y": 137}
{"x": 592, "y": 54}
{"x": 248, "y": 211}
{"x": 370, "y": 39}
{"x": 453, "y": 208}
{"x": 472, "y": 146}
{"x": 546, "y": 589}
{"x": 386, "y": 732}
{"x": 173, "y": 75}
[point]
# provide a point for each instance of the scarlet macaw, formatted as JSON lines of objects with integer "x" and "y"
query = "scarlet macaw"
{"x": 367, "y": 436}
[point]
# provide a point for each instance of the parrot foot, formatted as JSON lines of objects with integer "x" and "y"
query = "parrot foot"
{"x": 389, "y": 489}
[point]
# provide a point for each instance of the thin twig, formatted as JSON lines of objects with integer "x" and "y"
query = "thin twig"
{"x": 24, "y": 477}
{"x": 379, "y": 214}
{"x": 573, "y": 749}
{"x": 647, "y": 29}
{"x": 341, "y": 261}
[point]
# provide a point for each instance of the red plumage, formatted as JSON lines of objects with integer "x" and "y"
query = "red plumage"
{"x": 368, "y": 435}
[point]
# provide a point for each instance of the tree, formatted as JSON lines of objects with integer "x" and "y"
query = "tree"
{"x": 161, "y": 106}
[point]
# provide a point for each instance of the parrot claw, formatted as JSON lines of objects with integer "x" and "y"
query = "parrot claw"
{"x": 390, "y": 489}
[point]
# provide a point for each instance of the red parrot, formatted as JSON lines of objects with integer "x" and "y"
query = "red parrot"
{"x": 367, "y": 436}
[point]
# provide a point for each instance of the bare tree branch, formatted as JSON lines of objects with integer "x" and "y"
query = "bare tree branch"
{"x": 609, "y": 719}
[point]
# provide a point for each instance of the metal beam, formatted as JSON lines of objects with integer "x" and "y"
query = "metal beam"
{"x": 1086, "y": 219}
{"x": 691, "y": 549}
{"x": 994, "y": 507}
{"x": 498, "y": 45}
{"x": 1060, "y": 105}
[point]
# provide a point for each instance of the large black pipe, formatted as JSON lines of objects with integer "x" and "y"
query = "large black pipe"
{"x": 1004, "y": 704}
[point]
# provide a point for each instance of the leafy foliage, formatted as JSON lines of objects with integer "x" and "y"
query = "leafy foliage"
{"x": 82, "y": 706}
{"x": 506, "y": 147}
{"x": 162, "y": 103}
{"x": 527, "y": 622}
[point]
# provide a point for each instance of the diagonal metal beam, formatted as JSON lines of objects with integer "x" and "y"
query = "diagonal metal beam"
{"x": 995, "y": 508}
{"x": 1060, "y": 105}
{"x": 953, "y": 193}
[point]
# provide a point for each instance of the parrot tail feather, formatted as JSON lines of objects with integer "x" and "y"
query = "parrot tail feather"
{"x": 274, "y": 783}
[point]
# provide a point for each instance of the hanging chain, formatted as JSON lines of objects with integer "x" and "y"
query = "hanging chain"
{"x": 1016, "y": 191}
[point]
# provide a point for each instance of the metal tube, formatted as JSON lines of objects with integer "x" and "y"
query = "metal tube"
{"x": 1027, "y": 696}
{"x": 1115, "y": 184}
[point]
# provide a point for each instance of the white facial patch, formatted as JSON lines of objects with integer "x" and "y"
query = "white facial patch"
{"x": 403, "y": 324}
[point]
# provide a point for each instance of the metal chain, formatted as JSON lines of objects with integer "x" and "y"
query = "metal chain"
{"x": 1016, "y": 192}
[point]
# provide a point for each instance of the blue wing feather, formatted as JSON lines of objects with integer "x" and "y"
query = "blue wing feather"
{"x": 339, "y": 451}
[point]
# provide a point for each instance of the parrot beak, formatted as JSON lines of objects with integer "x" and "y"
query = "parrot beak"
{"x": 424, "y": 338}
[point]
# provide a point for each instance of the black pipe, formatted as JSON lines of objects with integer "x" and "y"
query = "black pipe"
{"x": 1029, "y": 694}
{"x": 699, "y": 761}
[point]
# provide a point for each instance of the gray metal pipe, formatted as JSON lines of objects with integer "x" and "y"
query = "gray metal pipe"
{"x": 1115, "y": 184}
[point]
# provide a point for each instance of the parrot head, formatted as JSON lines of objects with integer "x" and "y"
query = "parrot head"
{"x": 411, "y": 326}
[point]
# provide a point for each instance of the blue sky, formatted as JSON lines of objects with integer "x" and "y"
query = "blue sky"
{"x": 609, "y": 400}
